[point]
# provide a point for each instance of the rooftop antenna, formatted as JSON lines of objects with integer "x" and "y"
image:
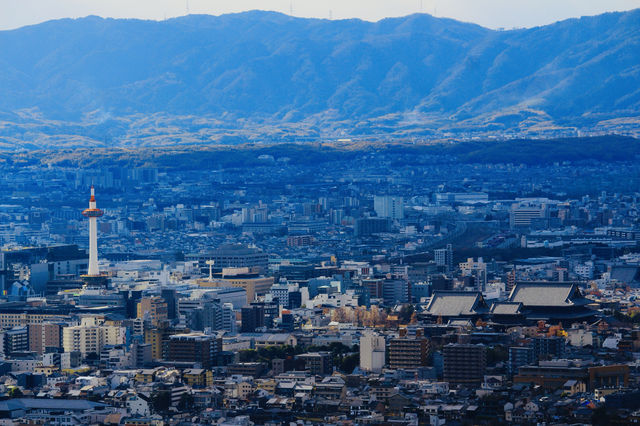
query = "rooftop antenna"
{"x": 187, "y": 7}
{"x": 291, "y": 8}
{"x": 330, "y": 14}
{"x": 210, "y": 262}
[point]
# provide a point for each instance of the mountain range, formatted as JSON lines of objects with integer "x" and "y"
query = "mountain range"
{"x": 267, "y": 76}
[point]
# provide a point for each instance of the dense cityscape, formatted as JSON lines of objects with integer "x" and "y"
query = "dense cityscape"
{"x": 341, "y": 213}
{"x": 375, "y": 290}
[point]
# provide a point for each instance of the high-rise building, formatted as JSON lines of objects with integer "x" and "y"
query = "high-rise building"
{"x": 153, "y": 309}
{"x": 523, "y": 213}
{"x": 212, "y": 314}
{"x": 171, "y": 298}
{"x": 476, "y": 269}
{"x": 233, "y": 256}
{"x": 511, "y": 280}
{"x": 280, "y": 292}
{"x": 287, "y": 320}
{"x": 440, "y": 283}
{"x": 395, "y": 291}
{"x": 366, "y": 226}
{"x": 548, "y": 347}
{"x": 389, "y": 206}
{"x": 155, "y": 337}
{"x": 271, "y": 311}
{"x": 518, "y": 357}
{"x": 464, "y": 364}
{"x": 15, "y": 340}
{"x": 252, "y": 317}
{"x": 45, "y": 336}
{"x": 408, "y": 352}
{"x": 91, "y": 338}
{"x": 372, "y": 352}
{"x": 140, "y": 354}
{"x": 444, "y": 257}
{"x": 317, "y": 363}
{"x": 559, "y": 274}
{"x": 254, "y": 284}
{"x": 194, "y": 348}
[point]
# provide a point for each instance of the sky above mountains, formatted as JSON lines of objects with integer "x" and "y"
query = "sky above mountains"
{"x": 488, "y": 13}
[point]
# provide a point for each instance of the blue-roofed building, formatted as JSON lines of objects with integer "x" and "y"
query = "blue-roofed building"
{"x": 54, "y": 411}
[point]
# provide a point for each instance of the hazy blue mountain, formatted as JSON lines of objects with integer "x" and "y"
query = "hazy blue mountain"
{"x": 395, "y": 74}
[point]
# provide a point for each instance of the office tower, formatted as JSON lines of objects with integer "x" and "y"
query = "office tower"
{"x": 317, "y": 363}
{"x": 367, "y": 226}
{"x": 374, "y": 287}
{"x": 444, "y": 257}
{"x": 560, "y": 274}
{"x": 280, "y": 292}
{"x": 141, "y": 355}
{"x": 519, "y": 356}
{"x": 408, "y": 352}
{"x": 153, "y": 309}
{"x": 91, "y": 338}
{"x": 395, "y": 291}
{"x": 44, "y": 337}
{"x": 511, "y": 280}
{"x": 252, "y": 317}
{"x": 336, "y": 216}
{"x": 372, "y": 352}
{"x": 476, "y": 269}
{"x": 197, "y": 348}
{"x": 548, "y": 347}
{"x": 271, "y": 311}
{"x": 388, "y": 206}
{"x": 156, "y": 336}
{"x": 171, "y": 298}
{"x": 295, "y": 299}
{"x": 212, "y": 314}
{"x": 233, "y": 256}
{"x": 522, "y": 214}
{"x": 254, "y": 284}
{"x": 15, "y": 340}
{"x": 440, "y": 283}
{"x": 287, "y": 321}
{"x": 229, "y": 318}
{"x": 464, "y": 364}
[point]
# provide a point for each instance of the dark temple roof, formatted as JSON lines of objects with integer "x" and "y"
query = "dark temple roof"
{"x": 456, "y": 303}
{"x": 549, "y": 294}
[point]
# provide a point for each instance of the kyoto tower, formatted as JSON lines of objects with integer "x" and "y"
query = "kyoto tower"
{"x": 93, "y": 213}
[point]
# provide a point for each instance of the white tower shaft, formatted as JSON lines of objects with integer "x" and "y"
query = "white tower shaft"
{"x": 93, "y": 246}
{"x": 93, "y": 213}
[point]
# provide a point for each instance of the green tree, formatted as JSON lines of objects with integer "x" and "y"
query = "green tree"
{"x": 15, "y": 393}
{"x": 349, "y": 362}
{"x": 497, "y": 354}
{"x": 186, "y": 402}
{"x": 161, "y": 401}
{"x": 405, "y": 313}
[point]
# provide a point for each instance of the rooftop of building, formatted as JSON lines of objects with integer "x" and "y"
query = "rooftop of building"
{"x": 456, "y": 303}
{"x": 555, "y": 294}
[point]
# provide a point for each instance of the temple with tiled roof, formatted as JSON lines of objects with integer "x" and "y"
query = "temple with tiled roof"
{"x": 551, "y": 301}
{"x": 456, "y": 304}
